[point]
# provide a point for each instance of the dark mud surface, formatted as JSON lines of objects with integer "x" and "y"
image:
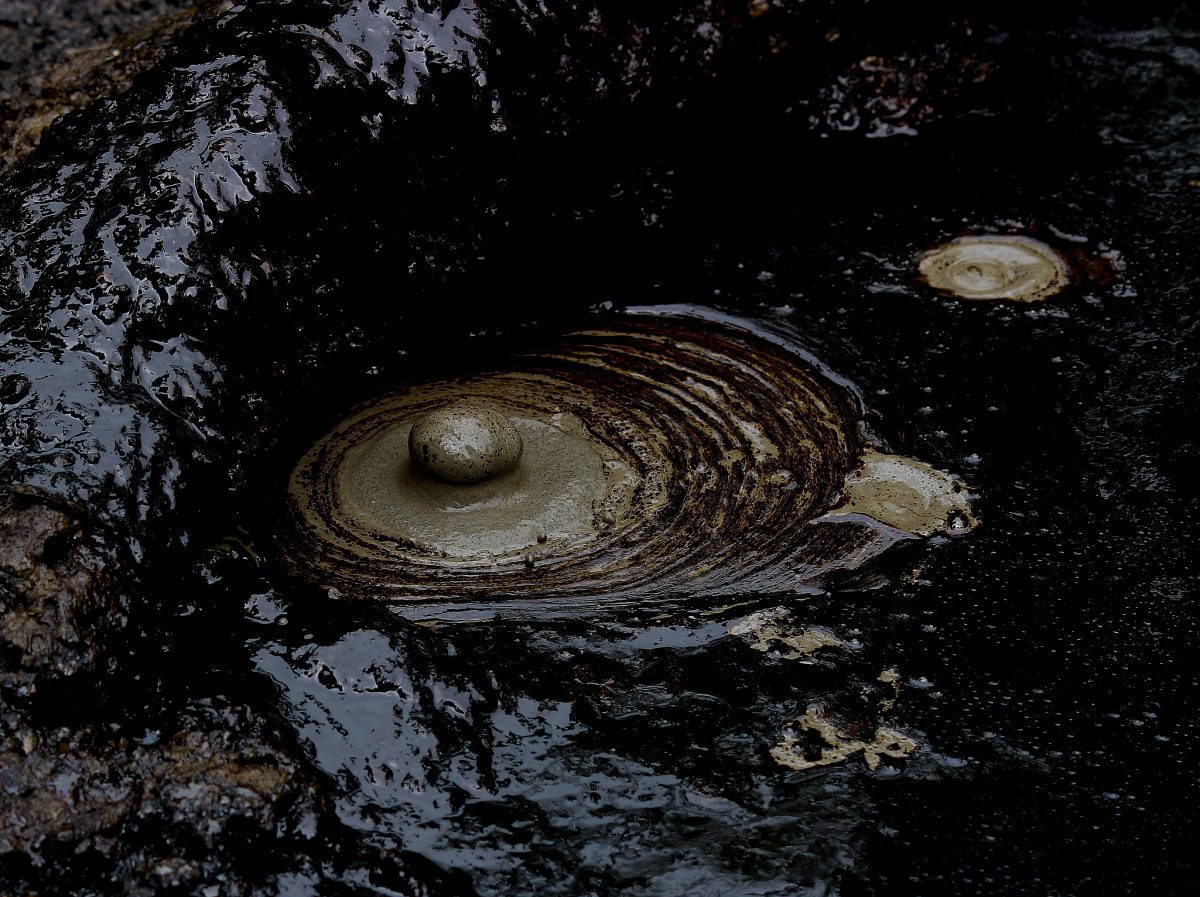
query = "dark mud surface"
{"x": 203, "y": 274}
{"x": 60, "y": 55}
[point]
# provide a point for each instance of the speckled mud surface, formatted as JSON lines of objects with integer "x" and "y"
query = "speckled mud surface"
{"x": 57, "y": 56}
{"x": 307, "y": 204}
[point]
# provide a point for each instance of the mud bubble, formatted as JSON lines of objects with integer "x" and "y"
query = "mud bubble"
{"x": 668, "y": 452}
{"x": 995, "y": 267}
{"x": 465, "y": 443}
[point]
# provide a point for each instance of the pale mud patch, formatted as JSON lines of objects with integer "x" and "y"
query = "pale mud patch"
{"x": 995, "y": 267}
{"x": 816, "y": 740}
{"x": 771, "y": 631}
{"x": 906, "y": 495}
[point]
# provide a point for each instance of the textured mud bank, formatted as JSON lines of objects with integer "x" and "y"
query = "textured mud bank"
{"x": 302, "y": 206}
{"x": 57, "y": 56}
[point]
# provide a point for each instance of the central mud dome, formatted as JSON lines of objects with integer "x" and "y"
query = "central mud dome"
{"x": 664, "y": 453}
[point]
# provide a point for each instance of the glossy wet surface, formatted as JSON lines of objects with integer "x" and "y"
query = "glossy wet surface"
{"x": 1012, "y": 712}
{"x": 1042, "y": 663}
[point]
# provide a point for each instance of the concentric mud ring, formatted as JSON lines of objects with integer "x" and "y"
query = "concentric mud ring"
{"x": 720, "y": 442}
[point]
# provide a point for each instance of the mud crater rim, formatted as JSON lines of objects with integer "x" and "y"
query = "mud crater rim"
{"x": 712, "y": 446}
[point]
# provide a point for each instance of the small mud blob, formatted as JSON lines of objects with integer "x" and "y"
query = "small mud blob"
{"x": 995, "y": 267}
{"x": 467, "y": 442}
{"x": 669, "y": 455}
{"x": 908, "y": 496}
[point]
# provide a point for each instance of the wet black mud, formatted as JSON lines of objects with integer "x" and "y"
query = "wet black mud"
{"x": 57, "y": 56}
{"x": 282, "y": 222}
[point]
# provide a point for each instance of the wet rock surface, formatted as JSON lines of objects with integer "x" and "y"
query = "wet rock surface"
{"x": 191, "y": 287}
{"x": 216, "y": 808}
{"x": 61, "y": 55}
{"x": 58, "y": 601}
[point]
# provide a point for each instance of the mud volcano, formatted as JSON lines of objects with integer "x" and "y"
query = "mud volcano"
{"x": 663, "y": 454}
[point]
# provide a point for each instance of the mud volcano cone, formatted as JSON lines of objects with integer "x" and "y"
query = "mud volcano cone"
{"x": 655, "y": 455}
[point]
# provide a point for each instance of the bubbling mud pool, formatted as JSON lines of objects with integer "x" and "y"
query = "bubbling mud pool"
{"x": 670, "y": 451}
